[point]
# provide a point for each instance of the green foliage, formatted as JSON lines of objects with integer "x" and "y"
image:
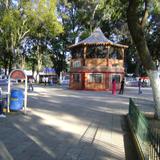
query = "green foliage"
{"x": 58, "y": 55}
{"x": 27, "y": 19}
{"x": 37, "y": 21}
{"x": 44, "y": 20}
{"x": 156, "y": 6}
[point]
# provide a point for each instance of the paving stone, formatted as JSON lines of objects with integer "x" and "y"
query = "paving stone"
{"x": 65, "y": 124}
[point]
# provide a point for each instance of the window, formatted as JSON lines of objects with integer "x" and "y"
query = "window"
{"x": 101, "y": 52}
{"x": 96, "y": 52}
{"x": 76, "y": 77}
{"x": 95, "y": 78}
{"x": 115, "y": 55}
{"x": 91, "y": 52}
{"x": 116, "y": 77}
{"x": 77, "y": 53}
{"x": 76, "y": 64}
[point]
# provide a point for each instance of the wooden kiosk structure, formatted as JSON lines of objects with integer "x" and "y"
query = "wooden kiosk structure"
{"x": 95, "y": 62}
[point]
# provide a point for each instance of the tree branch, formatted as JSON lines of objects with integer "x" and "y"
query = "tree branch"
{"x": 24, "y": 34}
{"x": 145, "y": 16}
{"x": 93, "y": 15}
{"x": 138, "y": 34}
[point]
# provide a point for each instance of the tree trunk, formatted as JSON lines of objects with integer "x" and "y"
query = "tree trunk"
{"x": 5, "y": 70}
{"x": 138, "y": 35}
{"x": 5, "y": 66}
{"x": 39, "y": 62}
{"x": 7, "y": 3}
{"x": 138, "y": 63}
{"x": 155, "y": 84}
{"x": 137, "y": 32}
{"x": 22, "y": 61}
{"x": 33, "y": 69}
{"x": 10, "y": 65}
{"x": 92, "y": 17}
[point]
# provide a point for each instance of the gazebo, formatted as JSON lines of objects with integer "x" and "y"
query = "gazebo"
{"x": 95, "y": 62}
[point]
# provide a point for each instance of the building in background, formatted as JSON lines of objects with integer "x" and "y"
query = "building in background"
{"x": 64, "y": 78}
{"x": 50, "y": 74}
{"x": 95, "y": 62}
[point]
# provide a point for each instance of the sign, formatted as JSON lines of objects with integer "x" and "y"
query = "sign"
{"x": 49, "y": 70}
{"x": 17, "y": 74}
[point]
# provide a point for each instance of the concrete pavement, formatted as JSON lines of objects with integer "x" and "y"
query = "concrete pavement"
{"x": 64, "y": 124}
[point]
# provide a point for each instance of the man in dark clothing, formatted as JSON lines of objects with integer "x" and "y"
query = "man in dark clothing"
{"x": 122, "y": 87}
{"x": 139, "y": 86}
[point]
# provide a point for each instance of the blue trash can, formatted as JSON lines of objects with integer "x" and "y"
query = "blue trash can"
{"x": 16, "y": 101}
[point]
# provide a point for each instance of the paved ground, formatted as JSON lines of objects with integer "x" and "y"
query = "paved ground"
{"x": 65, "y": 124}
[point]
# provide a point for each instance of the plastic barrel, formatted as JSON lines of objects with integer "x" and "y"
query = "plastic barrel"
{"x": 16, "y": 101}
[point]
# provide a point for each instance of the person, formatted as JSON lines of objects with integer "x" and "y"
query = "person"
{"x": 144, "y": 83}
{"x": 30, "y": 84}
{"x": 122, "y": 87}
{"x": 139, "y": 86}
{"x": 43, "y": 80}
{"x": 1, "y": 105}
{"x": 2, "y": 115}
{"x": 46, "y": 82}
{"x": 51, "y": 81}
{"x": 114, "y": 87}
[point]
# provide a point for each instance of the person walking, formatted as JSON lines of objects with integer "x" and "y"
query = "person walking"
{"x": 30, "y": 84}
{"x": 1, "y": 105}
{"x": 122, "y": 87}
{"x": 139, "y": 86}
{"x": 44, "y": 80}
{"x": 47, "y": 81}
{"x": 114, "y": 87}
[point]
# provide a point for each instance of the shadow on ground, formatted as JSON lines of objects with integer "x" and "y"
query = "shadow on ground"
{"x": 26, "y": 137}
{"x": 67, "y": 125}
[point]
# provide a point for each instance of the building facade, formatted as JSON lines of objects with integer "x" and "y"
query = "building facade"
{"x": 95, "y": 62}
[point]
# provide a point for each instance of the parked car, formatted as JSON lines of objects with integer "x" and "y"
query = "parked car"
{"x": 4, "y": 82}
{"x": 131, "y": 81}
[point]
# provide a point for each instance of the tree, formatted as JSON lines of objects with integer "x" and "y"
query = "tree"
{"x": 21, "y": 20}
{"x": 137, "y": 17}
{"x": 81, "y": 17}
{"x": 110, "y": 14}
{"x": 45, "y": 26}
{"x": 58, "y": 55}
{"x": 14, "y": 27}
